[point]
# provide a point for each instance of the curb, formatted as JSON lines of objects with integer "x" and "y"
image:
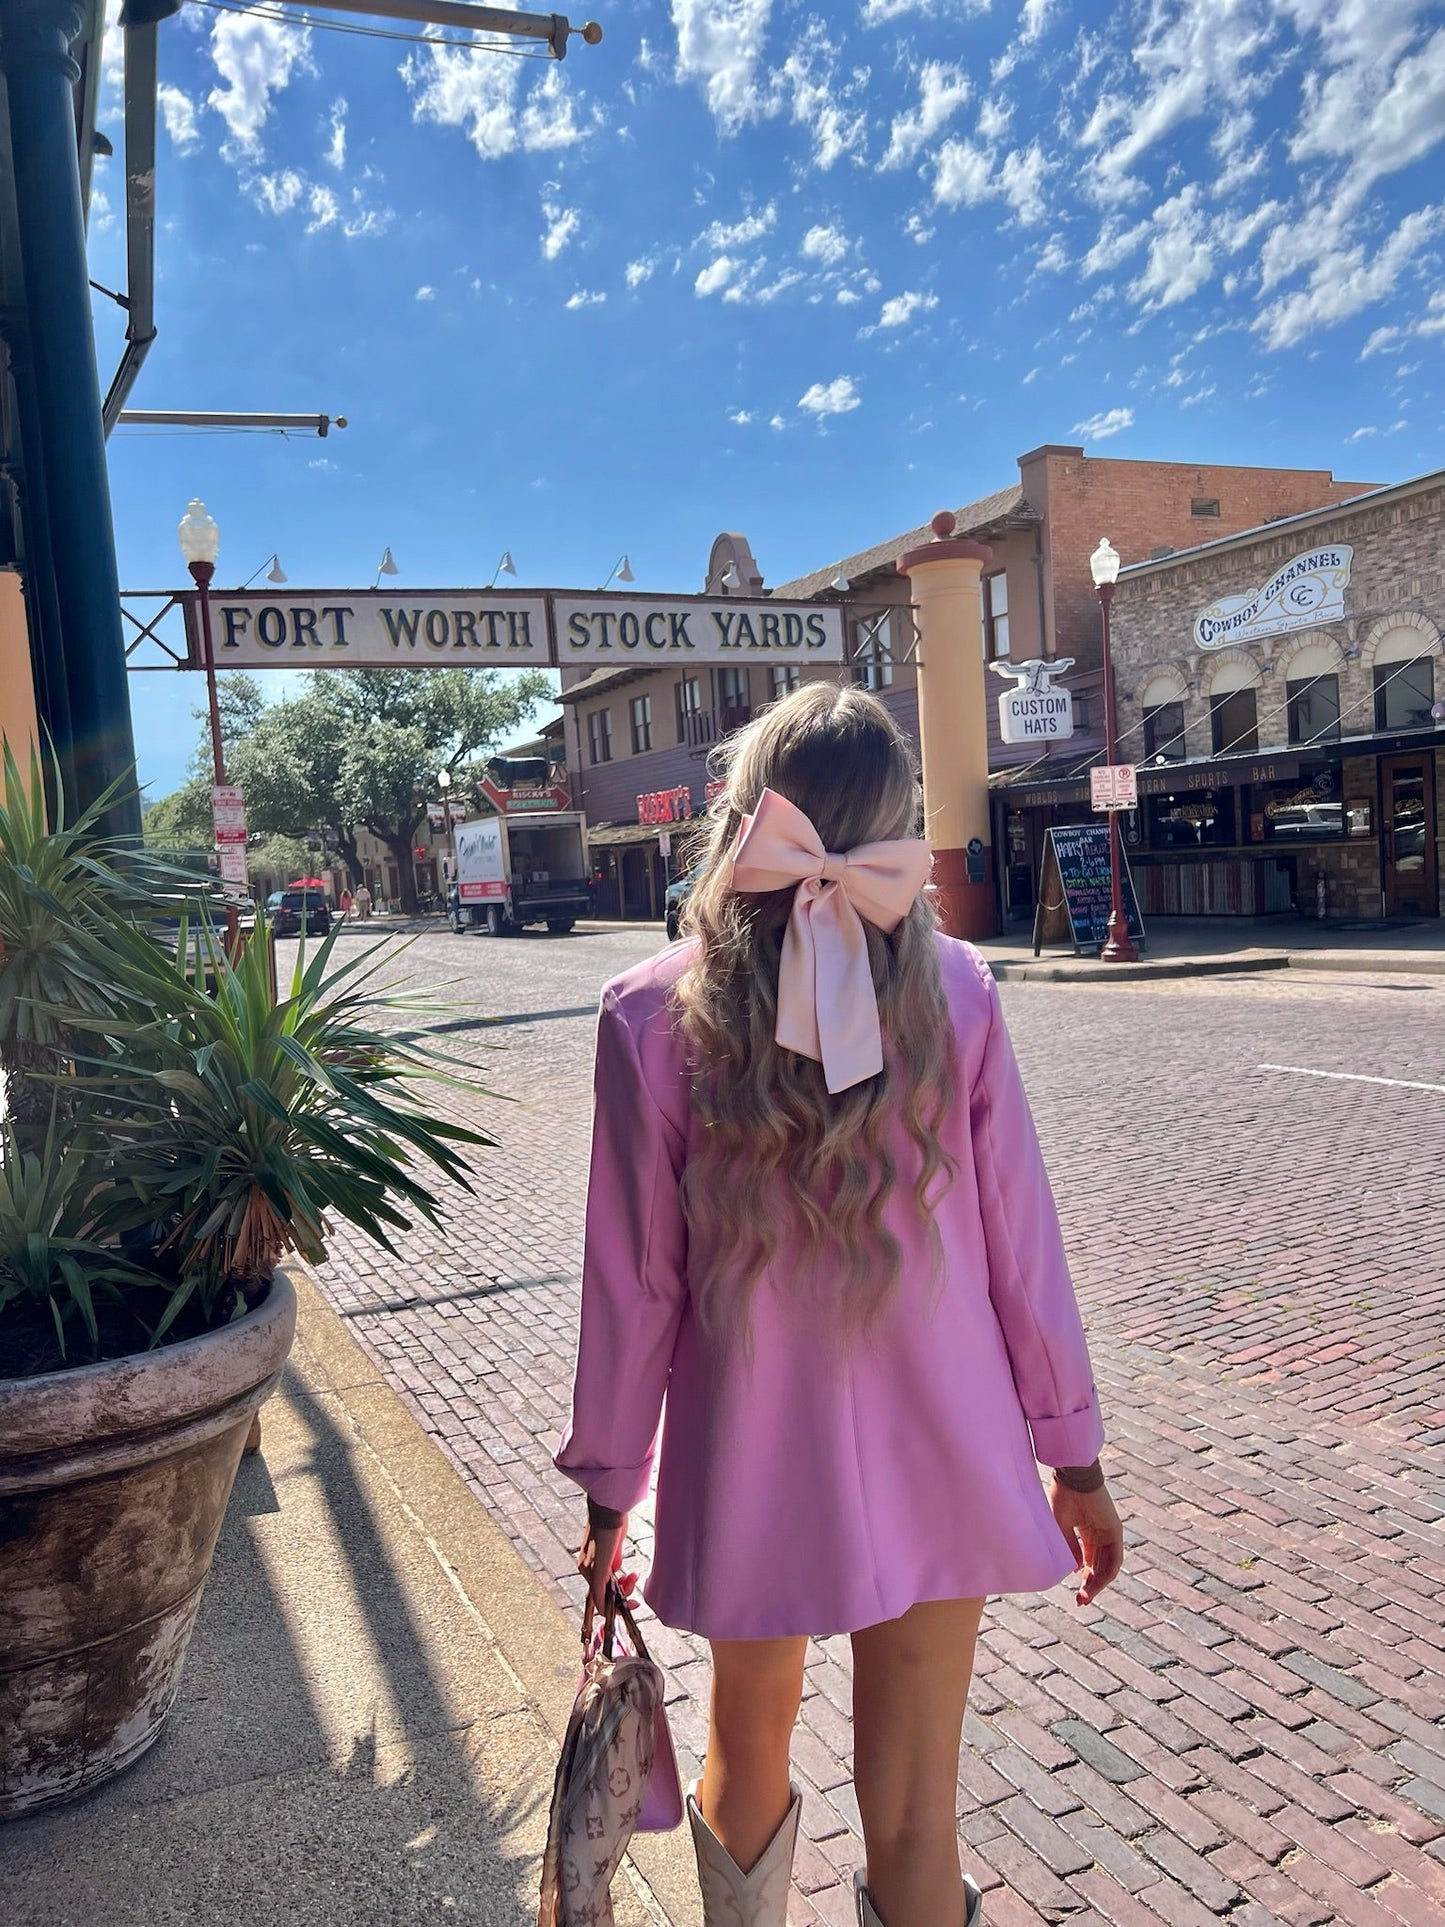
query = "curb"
{"x": 530, "y": 1631}
{"x": 1090, "y": 971}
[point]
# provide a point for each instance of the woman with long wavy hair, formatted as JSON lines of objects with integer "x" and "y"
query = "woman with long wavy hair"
{"x": 820, "y": 1233}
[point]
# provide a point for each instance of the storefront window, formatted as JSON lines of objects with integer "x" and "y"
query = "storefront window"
{"x": 786, "y": 676}
{"x": 1233, "y": 722}
{"x": 1404, "y": 692}
{"x": 1297, "y": 812}
{"x": 1201, "y": 821}
{"x": 1164, "y": 731}
{"x": 1314, "y": 710}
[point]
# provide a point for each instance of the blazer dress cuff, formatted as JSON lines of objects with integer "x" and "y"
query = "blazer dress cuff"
{"x": 621, "y": 1488}
{"x": 1074, "y": 1439}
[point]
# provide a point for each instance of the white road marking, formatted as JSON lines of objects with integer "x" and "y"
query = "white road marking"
{"x": 1352, "y": 1077}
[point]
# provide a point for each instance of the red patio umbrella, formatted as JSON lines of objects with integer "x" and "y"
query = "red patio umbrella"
{"x": 306, "y": 883}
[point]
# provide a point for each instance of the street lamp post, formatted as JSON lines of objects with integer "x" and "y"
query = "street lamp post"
{"x": 1119, "y": 946}
{"x": 444, "y": 784}
{"x": 200, "y": 541}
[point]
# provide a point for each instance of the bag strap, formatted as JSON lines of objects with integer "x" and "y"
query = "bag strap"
{"x": 615, "y": 1609}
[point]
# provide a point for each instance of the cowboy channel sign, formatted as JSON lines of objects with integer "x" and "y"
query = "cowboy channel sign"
{"x": 1304, "y": 593}
{"x": 477, "y": 629}
{"x": 1033, "y": 711}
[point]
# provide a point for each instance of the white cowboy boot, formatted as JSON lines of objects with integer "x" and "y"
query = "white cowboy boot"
{"x": 868, "y": 1916}
{"x": 730, "y": 1897}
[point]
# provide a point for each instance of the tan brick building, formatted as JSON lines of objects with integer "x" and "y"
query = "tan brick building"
{"x": 1279, "y": 692}
{"x": 638, "y": 731}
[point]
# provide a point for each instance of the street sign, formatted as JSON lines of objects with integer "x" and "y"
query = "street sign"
{"x": 233, "y": 863}
{"x": 1034, "y": 710}
{"x": 228, "y": 814}
{"x": 1113, "y": 786}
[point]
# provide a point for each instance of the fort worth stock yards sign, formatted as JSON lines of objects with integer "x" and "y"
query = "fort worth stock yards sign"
{"x": 451, "y": 628}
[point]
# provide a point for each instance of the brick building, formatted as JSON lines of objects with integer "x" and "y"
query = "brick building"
{"x": 638, "y": 731}
{"x": 1279, "y": 692}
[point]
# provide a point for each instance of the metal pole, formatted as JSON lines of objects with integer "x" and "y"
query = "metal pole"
{"x": 201, "y": 574}
{"x": 1119, "y": 947}
{"x": 93, "y": 741}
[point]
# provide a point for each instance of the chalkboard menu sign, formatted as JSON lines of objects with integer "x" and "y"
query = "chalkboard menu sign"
{"x": 1075, "y": 897}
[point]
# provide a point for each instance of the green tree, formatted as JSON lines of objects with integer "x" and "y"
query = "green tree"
{"x": 361, "y": 748}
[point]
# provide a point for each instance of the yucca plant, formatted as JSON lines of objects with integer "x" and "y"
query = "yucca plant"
{"x": 177, "y": 1127}
{"x": 62, "y": 891}
{"x": 238, "y": 1120}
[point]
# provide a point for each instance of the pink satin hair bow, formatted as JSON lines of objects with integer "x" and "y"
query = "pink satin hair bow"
{"x": 827, "y": 1006}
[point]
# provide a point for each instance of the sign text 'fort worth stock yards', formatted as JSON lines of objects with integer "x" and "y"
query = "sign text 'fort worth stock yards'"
{"x": 374, "y": 629}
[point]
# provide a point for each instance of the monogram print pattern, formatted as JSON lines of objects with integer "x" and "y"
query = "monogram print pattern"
{"x": 597, "y": 1796}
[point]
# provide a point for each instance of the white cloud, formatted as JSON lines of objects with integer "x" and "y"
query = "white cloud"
{"x": 742, "y": 416}
{"x": 1053, "y": 256}
{"x": 836, "y": 397}
{"x": 962, "y": 174}
{"x": 336, "y": 152}
{"x": 178, "y": 111}
{"x": 826, "y": 245}
{"x": 878, "y": 13}
{"x": 1199, "y": 395}
{"x": 480, "y": 95}
{"x": 1031, "y": 376}
{"x": 1378, "y": 107}
{"x": 1114, "y": 246}
{"x": 917, "y": 229}
{"x": 965, "y": 175}
{"x": 848, "y": 297}
{"x": 719, "y": 44}
{"x": 942, "y": 89}
{"x": 324, "y": 208}
{"x": 716, "y": 276}
{"x": 102, "y": 215}
{"x": 426, "y": 294}
{"x": 562, "y": 224}
{"x": 1035, "y": 21}
{"x": 640, "y": 271}
{"x": 1098, "y": 428}
{"x": 255, "y": 58}
{"x": 902, "y": 308}
{"x": 1362, "y": 434}
{"x": 585, "y": 298}
{"x": 1380, "y": 341}
{"x": 277, "y": 193}
{"x": 993, "y": 119}
{"x": 1181, "y": 255}
{"x": 741, "y": 233}
{"x": 777, "y": 421}
{"x": 822, "y": 102}
{"x": 1344, "y": 282}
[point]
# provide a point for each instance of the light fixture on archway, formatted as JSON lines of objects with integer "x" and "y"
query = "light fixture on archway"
{"x": 621, "y": 572}
{"x": 274, "y": 574}
{"x": 840, "y": 581}
{"x": 730, "y": 577}
{"x": 386, "y": 566}
{"x": 505, "y": 567}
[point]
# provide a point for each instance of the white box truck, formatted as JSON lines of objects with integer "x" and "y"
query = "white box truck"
{"x": 525, "y": 867}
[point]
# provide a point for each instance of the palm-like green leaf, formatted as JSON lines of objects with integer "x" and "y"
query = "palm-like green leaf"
{"x": 201, "y": 1125}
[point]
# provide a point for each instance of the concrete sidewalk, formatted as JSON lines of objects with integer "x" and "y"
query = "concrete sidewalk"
{"x": 1225, "y": 946}
{"x": 369, "y": 1722}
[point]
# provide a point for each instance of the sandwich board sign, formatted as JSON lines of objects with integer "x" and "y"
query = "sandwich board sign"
{"x": 1075, "y": 895}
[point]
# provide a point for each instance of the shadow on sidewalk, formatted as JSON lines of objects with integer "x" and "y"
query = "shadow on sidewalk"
{"x": 349, "y": 1747}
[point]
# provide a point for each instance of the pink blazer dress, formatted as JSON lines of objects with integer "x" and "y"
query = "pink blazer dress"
{"x": 808, "y": 1489}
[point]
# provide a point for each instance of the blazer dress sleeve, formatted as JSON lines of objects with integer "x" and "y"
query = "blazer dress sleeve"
{"x": 634, "y": 1278}
{"x": 1029, "y": 1284}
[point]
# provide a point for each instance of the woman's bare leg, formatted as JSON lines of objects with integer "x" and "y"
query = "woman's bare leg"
{"x": 910, "y": 1688}
{"x": 757, "y": 1688}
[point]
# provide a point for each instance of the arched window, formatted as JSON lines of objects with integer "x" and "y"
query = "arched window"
{"x": 1404, "y": 680}
{"x": 1233, "y": 714}
{"x": 1312, "y": 692}
{"x": 1162, "y": 702}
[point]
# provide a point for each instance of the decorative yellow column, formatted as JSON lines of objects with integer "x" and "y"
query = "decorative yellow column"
{"x": 953, "y": 726}
{"x": 17, "y": 687}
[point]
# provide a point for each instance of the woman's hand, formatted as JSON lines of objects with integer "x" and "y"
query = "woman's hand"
{"x": 601, "y": 1556}
{"x": 1094, "y": 1532}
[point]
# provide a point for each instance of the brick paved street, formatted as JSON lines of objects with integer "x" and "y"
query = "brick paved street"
{"x": 1252, "y": 1723}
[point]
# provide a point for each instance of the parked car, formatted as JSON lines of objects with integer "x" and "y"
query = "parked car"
{"x": 677, "y": 895}
{"x": 287, "y": 910}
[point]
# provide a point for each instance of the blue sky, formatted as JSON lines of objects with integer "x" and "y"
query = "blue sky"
{"x": 811, "y": 274}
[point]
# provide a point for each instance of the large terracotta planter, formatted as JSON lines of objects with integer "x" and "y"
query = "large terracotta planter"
{"x": 113, "y": 1483}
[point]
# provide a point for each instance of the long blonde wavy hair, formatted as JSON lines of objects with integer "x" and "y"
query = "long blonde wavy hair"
{"x": 781, "y": 1157}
